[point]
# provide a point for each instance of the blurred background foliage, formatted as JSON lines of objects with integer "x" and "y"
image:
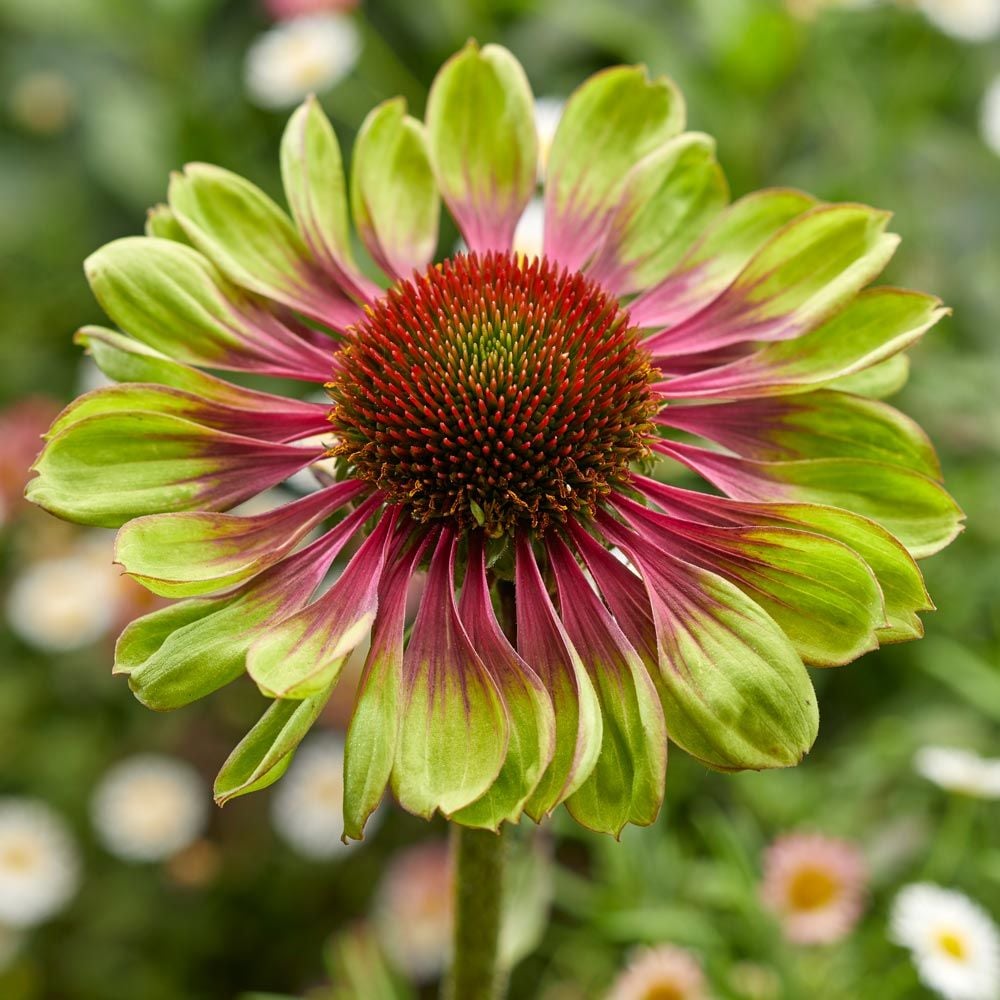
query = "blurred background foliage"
{"x": 101, "y": 99}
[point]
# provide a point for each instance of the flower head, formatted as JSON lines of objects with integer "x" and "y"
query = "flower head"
{"x": 661, "y": 973}
{"x": 149, "y": 807}
{"x": 39, "y": 864}
{"x": 954, "y": 943}
{"x": 960, "y": 771}
{"x": 504, "y": 422}
{"x": 307, "y": 54}
{"x": 413, "y": 911}
{"x": 815, "y": 885}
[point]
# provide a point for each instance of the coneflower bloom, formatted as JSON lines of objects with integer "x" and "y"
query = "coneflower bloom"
{"x": 815, "y": 885}
{"x": 508, "y": 425}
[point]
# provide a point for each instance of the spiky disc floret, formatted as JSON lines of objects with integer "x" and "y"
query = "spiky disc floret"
{"x": 495, "y": 391}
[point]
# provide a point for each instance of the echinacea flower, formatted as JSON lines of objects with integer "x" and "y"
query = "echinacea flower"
{"x": 149, "y": 807}
{"x": 815, "y": 885}
{"x": 39, "y": 863}
{"x": 954, "y": 943}
{"x": 662, "y": 973}
{"x": 305, "y": 55}
{"x": 961, "y": 771}
{"x": 308, "y": 807}
{"x": 413, "y": 911}
{"x": 507, "y": 424}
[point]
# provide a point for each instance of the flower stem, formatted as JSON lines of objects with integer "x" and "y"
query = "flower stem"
{"x": 477, "y": 857}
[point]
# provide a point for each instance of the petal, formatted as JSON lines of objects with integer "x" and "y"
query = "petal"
{"x": 532, "y": 719}
{"x": 305, "y": 652}
{"x": 253, "y": 242}
{"x": 370, "y": 747}
{"x": 109, "y": 468}
{"x": 186, "y": 651}
{"x": 878, "y": 382}
{"x": 799, "y": 278}
{"x": 822, "y": 424}
{"x": 263, "y": 417}
{"x": 912, "y": 506}
{"x": 735, "y": 693}
{"x": 263, "y": 755}
{"x": 394, "y": 195}
{"x": 668, "y": 198}
{"x": 898, "y": 575}
{"x": 610, "y": 123}
{"x": 878, "y": 324}
{"x": 189, "y": 554}
{"x": 162, "y": 223}
{"x": 171, "y": 298}
{"x": 713, "y": 263}
{"x": 481, "y": 135}
{"x": 542, "y": 642}
{"x": 821, "y": 593}
{"x": 626, "y": 785}
{"x": 313, "y": 176}
{"x": 453, "y": 727}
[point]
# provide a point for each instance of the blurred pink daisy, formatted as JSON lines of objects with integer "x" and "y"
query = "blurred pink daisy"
{"x": 661, "y": 973}
{"x": 815, "y": 885}
{"x": 282, "y": 10}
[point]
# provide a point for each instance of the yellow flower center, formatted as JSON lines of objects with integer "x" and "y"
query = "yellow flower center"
{"x": 664, "y": 991}
{"x": 811, "y": 889}
{"x": 953, "y": 945}
{"x": 19, "y": 856}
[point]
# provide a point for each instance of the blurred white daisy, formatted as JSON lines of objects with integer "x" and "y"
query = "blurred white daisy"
{"x": 968, "y": 20}
{"x": 954, "y": 943}
{"x": 69, "y": 601}
{"x": 308, "y": 805}
{"x": 663, "y": 972}
{"x": 149, "y": 807}
{"x": 528, "y": 235}
{"x": 39, "y": 865}
{"x": 548, "y": 113}
{"x": 960, "y": 771}
{"x": 299, "y": 57}
{"x": 412, "y": 911}
{"x": 989, "y": 116}
{"x": 815, "y": 885}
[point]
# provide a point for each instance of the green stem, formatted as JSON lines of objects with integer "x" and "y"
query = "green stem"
{"x": 477, "y": 858}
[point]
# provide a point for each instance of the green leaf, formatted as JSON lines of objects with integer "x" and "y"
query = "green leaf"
{"x": 610, "y": 123}
{"x": 264, "y": 754}
{"x": 481, "y": 136}
{"x": 668, "y": 198}
{"x": 394, "y": 195}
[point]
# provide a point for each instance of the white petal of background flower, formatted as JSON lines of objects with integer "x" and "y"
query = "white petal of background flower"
{"x": 960, "y": 770}
{"x": 968, "y": 20}
{"x": 298, "y": 57}
{"x": 548, "y": 112}
{"x": 39, "y": 864}
{"x": 953, "y": 941}
{"x": 149, "y": 807}
{"x": 989, "y": 116}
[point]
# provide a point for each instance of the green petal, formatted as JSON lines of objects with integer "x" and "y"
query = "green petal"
{"x": 313, "y": 174}
{"x": 612, "y": 121}
{"x": 263, "y": 755}
{"x": 109, "y": 468}
{"x": 162, "y": 224}
{"x": 481, "y": 135}
{"x": 668, "y": 198}
{"x": 726, "y": 247}
{"x": 253, "y": 242}
{"x": 878, "y": 382}
{"x": 394, "y": 195}
{"x": 453, "y": 726}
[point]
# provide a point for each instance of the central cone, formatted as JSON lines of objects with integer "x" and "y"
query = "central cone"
{"x": 493, "y": 391}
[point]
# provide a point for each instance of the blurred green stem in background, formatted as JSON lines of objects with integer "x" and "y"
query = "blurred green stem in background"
{"x": 478, "y": 861}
